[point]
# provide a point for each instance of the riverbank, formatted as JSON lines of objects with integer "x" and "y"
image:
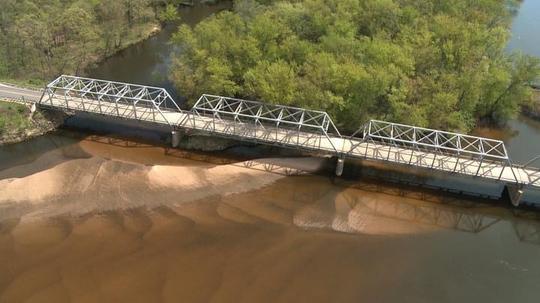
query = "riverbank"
{"x": 86, "y": 220}
{"x": 138, "y": 35}
{"x": 18, "y": 123}
{"x": 135, "y": 36}
{"x": 533, "y": 110}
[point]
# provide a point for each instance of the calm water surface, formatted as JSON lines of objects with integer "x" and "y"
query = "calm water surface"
{"x": 148, "y": 62}
{"x": 91, "y": 218}
{"x": 124, "y": 223}
{"x": 525, "y": 35}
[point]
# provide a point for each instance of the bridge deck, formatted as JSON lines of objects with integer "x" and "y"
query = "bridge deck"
{"x": 350, "y": 147}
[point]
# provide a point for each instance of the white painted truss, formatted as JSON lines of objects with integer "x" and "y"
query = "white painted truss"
{"x": 121, "y": 99}
{"x": 438, "y": 141}
{"x": 265, "y": 115}
{"x": 293, "y": 127}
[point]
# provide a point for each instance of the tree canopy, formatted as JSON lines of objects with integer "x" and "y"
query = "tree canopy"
{"x": 432, "y": 63}
{"x": 40, "y": 39}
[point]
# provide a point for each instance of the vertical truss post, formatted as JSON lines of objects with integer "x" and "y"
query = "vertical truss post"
{"x": 114, "y": 96}
{"x": 284, "y": 122}
{"x": 66, "y": 99}
{"x": 479, "y": 166}
{"x": 502, "y": 171}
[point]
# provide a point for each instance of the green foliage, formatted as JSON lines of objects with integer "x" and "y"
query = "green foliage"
{"x": 41, "y": 39}
{"x": 429, "y": 63}
{"x": 169, "y": 14}
{"x": 272, "y": 81}
{"x": 3, "y": 63}
{"x": 13, "y": 118}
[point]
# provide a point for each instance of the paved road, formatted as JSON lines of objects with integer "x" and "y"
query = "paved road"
{"x": 351, "y": 147}
{"x": 11, "y": 92}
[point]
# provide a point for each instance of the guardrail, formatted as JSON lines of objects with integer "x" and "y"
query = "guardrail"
{"x": 21, "y": 100}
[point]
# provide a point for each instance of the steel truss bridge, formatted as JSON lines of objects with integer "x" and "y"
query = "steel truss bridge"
{"x": 299, "y": 128}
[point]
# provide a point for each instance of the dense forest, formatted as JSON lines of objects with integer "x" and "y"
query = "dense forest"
{"x": 43, "y": 38}
{"x": 431, "y": 63}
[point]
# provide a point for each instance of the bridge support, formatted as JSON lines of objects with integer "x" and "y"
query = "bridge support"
{"x": 176, "y": 136}
{"x": 340, "y": 163}
{"x": 33, "y": 109}
{"x": 514, "y": 193}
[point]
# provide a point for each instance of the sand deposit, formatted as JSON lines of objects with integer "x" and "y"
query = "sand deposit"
{"x": 99, "y": 223}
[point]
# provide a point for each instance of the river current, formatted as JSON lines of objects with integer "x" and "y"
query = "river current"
{"x": 148, "y": 63}
{"x": 88, "y": 217}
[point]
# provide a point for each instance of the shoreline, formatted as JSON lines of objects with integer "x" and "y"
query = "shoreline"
{"x": 37, "y": 123}
{"x": 533, "y": 110}
{"x": 154, "y": 29}
{"x": 49, "y": 121}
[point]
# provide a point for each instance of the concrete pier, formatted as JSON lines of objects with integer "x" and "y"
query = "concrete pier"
{"x": 176, "y": 136}
{"x": 340, "y": 163}
{"x": 313, "y": 131}
{"x": 515, "y": 193}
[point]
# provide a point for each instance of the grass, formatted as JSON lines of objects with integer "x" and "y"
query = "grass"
{"x": 13, "y": 118}
{"x": 27, "y": 83}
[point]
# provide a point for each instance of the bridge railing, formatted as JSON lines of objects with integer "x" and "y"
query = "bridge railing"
{"x": 289, "y": 126}
{"x": 284, "y": 125}
{"x": 109, "y": 97}
{"x": 430, "y": 148}
{"x": 441, "y": 142}
{"x": 532, "y": 171}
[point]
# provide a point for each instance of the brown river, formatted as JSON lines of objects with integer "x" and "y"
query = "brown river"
{"x": 87, "y": 217}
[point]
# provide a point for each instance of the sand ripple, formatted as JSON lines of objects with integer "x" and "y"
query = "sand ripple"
{"x": 96, "y": 184}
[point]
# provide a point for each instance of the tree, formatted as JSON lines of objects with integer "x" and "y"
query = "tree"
{"x": 135, "y": 10}
{"x": 115, "y": 26}
{"x": 41, "y": 39}
{"x": 169, "y": 14}
{"x": 274, "y": 82}
{"x": 508, "y": 88}
{"x": 429, "y": 63}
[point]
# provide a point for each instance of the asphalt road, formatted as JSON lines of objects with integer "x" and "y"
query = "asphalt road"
{"x": 11, "y": 92}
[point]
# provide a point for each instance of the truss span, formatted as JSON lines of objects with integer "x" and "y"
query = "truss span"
{"x": 432, "y": 140}
{"x": 265, "y": 115}
{"x": 119, "y": 99}
{"x": 293, "y": 127}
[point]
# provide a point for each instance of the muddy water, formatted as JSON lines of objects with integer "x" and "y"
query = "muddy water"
{"x": 521, "y": 137}
{"x": 107, "y": 220}
{"x": 100, "y": 219}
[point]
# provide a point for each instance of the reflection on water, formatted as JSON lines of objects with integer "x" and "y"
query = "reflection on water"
{"x": 525, "y": 29}
{"x": 148, "y": 62}
{"x": 101, "y": 219}
{"x": 521, "y": 137}
{"x": 141, "y": 232}
{"x": 528, "y": 231}
{"x": 451, "y": 212}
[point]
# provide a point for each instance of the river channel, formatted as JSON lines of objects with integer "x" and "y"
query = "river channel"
{"x": 148, "y": 63}
{"x": 91, "y": 217}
